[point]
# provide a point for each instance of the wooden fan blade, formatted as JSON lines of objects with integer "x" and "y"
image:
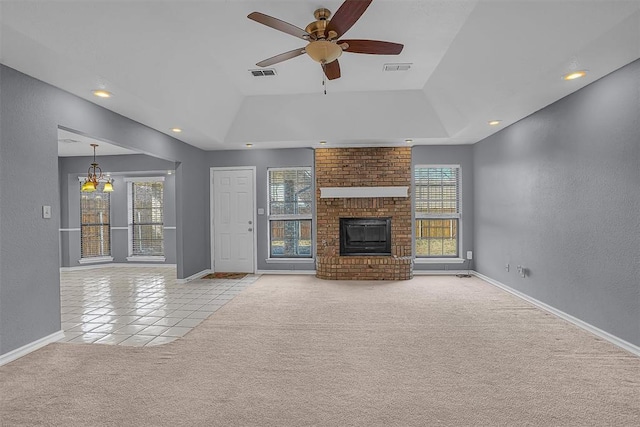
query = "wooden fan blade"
{"x": 279, "y": 25}
{"x": 347, "y": 15}
{"x": 332, "y": 70}
{"x": 372, "y": 47}
{"x": 281, "y": 57}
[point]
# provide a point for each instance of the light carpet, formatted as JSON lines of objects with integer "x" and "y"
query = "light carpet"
{"x": 298, "y": 351}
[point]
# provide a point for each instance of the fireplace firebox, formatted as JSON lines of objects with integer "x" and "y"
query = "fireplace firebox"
{"x": 365, "y": 236}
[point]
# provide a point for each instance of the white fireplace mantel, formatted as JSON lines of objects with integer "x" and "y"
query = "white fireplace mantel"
{"x": 362, "y": 192}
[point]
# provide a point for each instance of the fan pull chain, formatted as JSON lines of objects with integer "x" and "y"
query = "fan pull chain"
{"x": 324, "y": 82}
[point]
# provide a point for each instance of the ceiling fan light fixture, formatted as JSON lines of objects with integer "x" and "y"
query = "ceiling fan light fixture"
{"x": 323, "y": 51}
{"x": 322, "y": 36}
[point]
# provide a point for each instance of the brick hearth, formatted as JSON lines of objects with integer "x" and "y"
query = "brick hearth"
{"x": 363, "y": 167}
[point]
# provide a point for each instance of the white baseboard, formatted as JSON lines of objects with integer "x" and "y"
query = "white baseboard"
{"x": 193, "y": 277}
{"x": 115, "y": 265}
{"x": 439, "y": 272}
{"x": 26, "y": 349}
{"x": 306, "y": 272}
{"x": 632, "y": 348}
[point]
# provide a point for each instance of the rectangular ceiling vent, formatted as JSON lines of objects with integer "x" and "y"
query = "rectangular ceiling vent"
{"x": 263, "y": 72}
{"x": 397, "y": 67}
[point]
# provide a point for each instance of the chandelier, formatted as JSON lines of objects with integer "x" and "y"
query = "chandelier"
{"x": 94, "y": 177}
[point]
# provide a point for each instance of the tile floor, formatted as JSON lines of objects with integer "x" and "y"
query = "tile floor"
{"x": 138, "y": 306}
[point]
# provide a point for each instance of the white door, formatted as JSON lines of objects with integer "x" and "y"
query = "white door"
{"x": 233, "y": 221}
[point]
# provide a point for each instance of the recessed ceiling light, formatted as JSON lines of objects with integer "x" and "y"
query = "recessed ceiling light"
{"x": 101, "y": 93}
{"x": 495, "y": 122}
{"x": 408, "y": 141}
{"x": 176, "y": 130}
{"x": 574, "y": 75}
{"x": 249, "y": 145}
{"x": 323, "y": 142}
{"x": 169, "y": 172}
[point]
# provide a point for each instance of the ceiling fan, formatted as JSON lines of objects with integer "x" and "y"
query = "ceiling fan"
{"x": 323, "y": 36}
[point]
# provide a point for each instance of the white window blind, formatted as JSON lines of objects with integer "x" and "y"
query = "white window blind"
{"x": 146, "y": 226}
{"x": 95, "y": 221}
{"x": 289, "y": 211}
{"x": 437, "y": 210}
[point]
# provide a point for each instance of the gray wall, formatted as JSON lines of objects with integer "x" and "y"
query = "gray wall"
{"x": 263, "y": 159}
{"x": 30, "y": 113}
{"x": 559, "y": 193}
{"x": 451, "y": 155}
{"x": 70, "y": 168}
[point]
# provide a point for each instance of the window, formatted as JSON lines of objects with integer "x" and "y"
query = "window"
{"x": 146, "y": 227}
{"x": 290, "y": 208}
{"x": 437, "y": 211}
{"x": 95, "y": 229}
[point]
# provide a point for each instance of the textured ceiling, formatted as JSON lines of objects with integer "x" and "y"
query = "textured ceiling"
{"x": 185, "y": 64}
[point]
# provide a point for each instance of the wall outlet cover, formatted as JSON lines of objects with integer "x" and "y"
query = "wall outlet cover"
{"x": 469, "y": 254}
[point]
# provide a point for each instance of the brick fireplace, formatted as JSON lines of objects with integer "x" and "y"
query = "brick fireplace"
{"x": 363, "y": 183}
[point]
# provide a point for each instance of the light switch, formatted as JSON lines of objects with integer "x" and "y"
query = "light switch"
{"x": 46, "y": 212}
{"x": 260, "y": 211}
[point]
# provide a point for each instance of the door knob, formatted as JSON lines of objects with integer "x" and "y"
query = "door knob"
{"x": 249, "y": 222}
{"x": 250, "y": 229}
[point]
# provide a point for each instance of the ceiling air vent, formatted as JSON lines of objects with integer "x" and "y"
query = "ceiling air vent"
{"x": 397, "y": 67}
{"x": 263, "y": 72}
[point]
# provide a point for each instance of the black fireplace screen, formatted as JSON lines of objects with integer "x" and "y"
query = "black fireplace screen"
{"x": 365, "y": 236}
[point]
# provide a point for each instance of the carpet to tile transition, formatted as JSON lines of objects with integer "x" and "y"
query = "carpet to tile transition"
{"x": 298, "y": 351}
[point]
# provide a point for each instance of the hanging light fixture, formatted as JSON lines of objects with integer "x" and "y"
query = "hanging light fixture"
{"x": 94, "y": 177}
{"x": 108, "y": 186}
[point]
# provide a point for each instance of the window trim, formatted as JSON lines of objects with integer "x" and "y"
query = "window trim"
{"x": 95, "y": 260}
{"x": 132, "y": 257}
{"x": 304, "y": 217}
{"x": 459, "y": 216}
{"x": 144, "y": 179}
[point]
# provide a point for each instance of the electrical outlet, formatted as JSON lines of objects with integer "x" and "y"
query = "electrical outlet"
{"x": 522, "y": 271}
{"x": 469, "y": 254}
